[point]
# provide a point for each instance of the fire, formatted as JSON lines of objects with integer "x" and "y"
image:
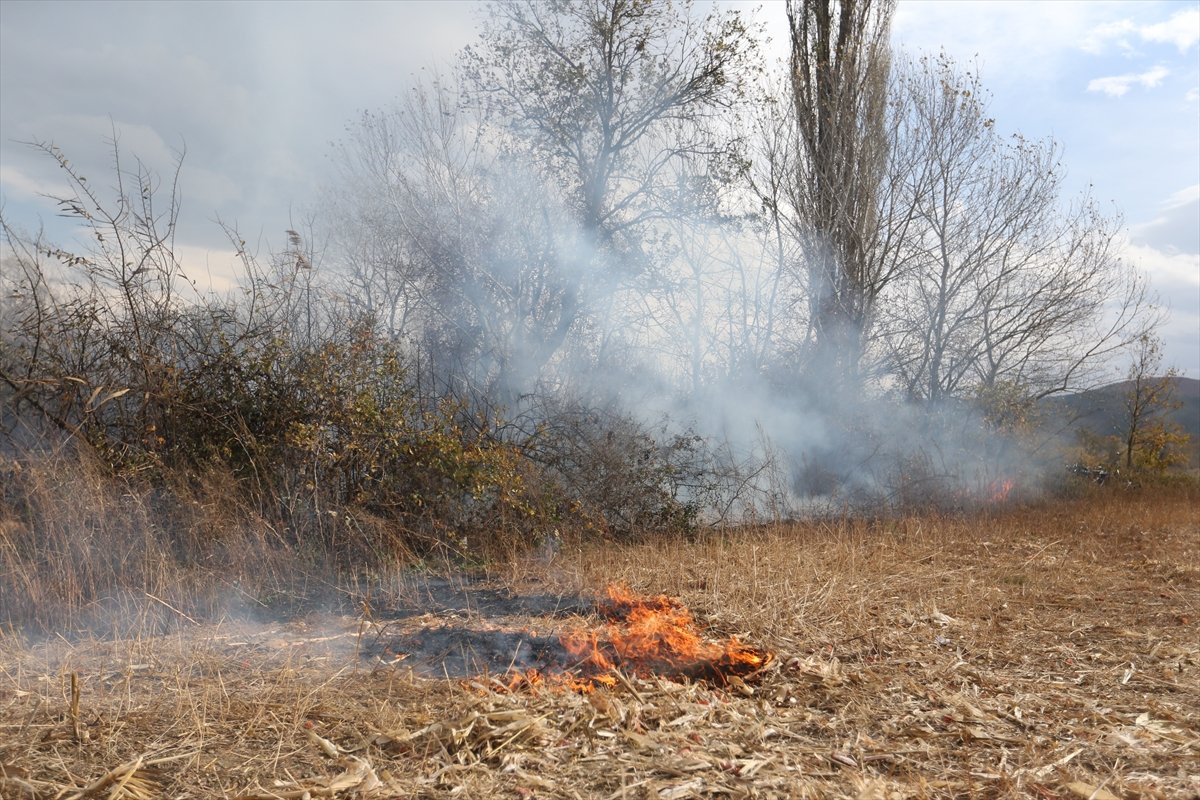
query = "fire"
{"x": 655, "y": 636}
{"x": 998, "y": 490}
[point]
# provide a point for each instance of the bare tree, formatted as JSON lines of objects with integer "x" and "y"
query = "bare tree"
{"x": 839, "y": 70}
{"x": 712, "y": 309}
{"x": 609, "y": 93}
{"x": 421, "y": 219}
{"x": 604, "y": 96}
{"x": 1003, "y": 284}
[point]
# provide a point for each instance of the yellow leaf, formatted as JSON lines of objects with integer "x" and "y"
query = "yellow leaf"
{"x": 112, "y": 396}
{"x": 1089, "y": 792}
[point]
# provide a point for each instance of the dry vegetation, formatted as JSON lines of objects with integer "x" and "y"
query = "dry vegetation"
{"x": 1046, "y": 651}
{"x": 213, "y": 506}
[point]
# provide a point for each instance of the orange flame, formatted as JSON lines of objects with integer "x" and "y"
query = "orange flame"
{"x": 999, "y": 490}
{"x": 655, "y": 635}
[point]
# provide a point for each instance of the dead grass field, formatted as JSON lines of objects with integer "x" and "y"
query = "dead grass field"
{"x": 1049, "y": 652}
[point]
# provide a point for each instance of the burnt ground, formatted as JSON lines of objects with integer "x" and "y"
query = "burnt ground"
{"x": 468, "y": 626}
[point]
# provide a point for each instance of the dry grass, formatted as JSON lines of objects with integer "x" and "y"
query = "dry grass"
{"x": 83, "y": 552}
{"x": 1047, "y": 652}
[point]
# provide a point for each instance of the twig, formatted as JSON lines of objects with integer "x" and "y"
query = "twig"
{"x": 76, "y": 732}
{"x": 628, "y": 685}
{"x": 173, "y": 608}
{"x": 121, "y": 772}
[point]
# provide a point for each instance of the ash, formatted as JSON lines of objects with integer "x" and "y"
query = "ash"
{"x": 463, "y": 628}
{"x": 459, "y": 651}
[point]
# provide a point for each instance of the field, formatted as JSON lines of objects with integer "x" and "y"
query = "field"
{"x": 1047, "y": 651}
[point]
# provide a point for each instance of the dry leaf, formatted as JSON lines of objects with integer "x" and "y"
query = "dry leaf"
{"x": 324, "y": 745}
{"x": 359, "y": 776}
{"x": 641, "y": 741}
{"x": 682, "y": 790}
{"x": 942, "y": 619}
{"x": 1089, "y": 792}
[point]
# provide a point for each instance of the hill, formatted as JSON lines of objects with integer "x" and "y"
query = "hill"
{"x": 1102, "y": 412}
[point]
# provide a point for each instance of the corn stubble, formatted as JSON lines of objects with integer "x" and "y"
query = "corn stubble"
{"x": 1047, "y": 651}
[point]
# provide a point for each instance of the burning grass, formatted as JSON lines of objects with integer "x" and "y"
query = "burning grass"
{"x": 655, "y": 637}
{"x": 1047, "y": 652}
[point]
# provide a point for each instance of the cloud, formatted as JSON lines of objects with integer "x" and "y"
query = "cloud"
{"x": 1118, "y": 32}
{"x": 1174, "y": 274}
{"x": 254, "y": 96}
{"x": 1186, "y": 195}
{"x": 1182, "y": 29}
{"x": 1168, "y": 249}
{"x": 1173, "y": 230}
{"x": 15, "y": 182}
{"x": 1180, "y": 343}
{"x": 136, "y": 141}
{"x": 1175, "y": 278}
{"x": 212, "y": 269}
{"x": 1119, "y": 85}
{"x": 1192, "y": 95}
{"x": 1038, "y": 38}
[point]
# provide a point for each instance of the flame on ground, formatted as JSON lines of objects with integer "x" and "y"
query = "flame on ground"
{"x": 999, "y": 490}
{"x": 654, "y": 636}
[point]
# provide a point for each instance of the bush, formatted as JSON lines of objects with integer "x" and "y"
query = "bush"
{"x": 166, "y": 434}
{"x": 312, "y": 413}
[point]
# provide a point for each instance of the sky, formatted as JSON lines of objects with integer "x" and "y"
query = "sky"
{"x": 257, "y": 92}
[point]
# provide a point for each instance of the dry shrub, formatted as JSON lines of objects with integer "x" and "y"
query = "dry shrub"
{"x": 613, "y": 474}
{"x": 197, "y": 430}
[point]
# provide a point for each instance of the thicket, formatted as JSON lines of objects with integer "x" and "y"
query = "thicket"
{"x": 152, "y": 429}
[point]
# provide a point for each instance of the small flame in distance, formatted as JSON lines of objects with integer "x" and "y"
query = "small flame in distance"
{"x": 999, "y": 490}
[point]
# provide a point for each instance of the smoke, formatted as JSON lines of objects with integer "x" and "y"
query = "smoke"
{"x": 693, "y": 323}
{"x": 800, "y": 448}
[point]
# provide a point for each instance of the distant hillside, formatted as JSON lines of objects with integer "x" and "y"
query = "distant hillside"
{"x": 1102, "y": 411}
